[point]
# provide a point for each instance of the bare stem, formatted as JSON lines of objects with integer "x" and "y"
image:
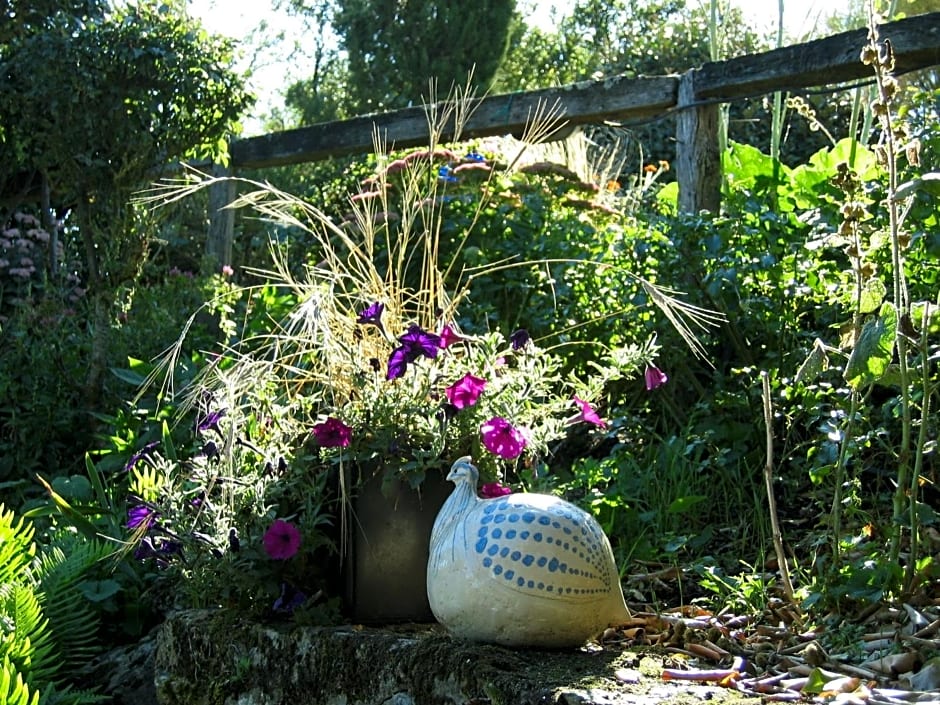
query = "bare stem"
{"x": 769, "y": 481}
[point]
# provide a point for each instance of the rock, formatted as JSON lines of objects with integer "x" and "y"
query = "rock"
{"x": 125, "y": 673}
{"x": 217, "y": 657}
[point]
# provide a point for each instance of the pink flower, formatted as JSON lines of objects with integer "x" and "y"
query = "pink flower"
{"x": 655, "y": 377}
{"x": 502, "y": 438}
{"x": 465, "y": 391}
{"x": 227, "y": 271}
{"x": 588, "y": 414}
{"x": 449, "y": 337}
{"x": 332, "y": 433}
{"x": 494, "y": 489}
{"x": 281, "y": 540}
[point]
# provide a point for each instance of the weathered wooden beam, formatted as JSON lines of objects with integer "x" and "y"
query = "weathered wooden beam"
{"x": 615, "y": 98}
{"x": 698, "y": 163}
{"x": 835, "y": 59}
{"x": 221, "y": 219}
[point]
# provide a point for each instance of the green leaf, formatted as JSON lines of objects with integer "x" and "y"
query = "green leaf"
{"x": 815, "y": 682}
{"x": 99, "y": 590}
{"x": 684, "y": 504}
{"x": 873, "y": 293}
{"x": 816, "y": 362}
{"x": 929, "y": 183}
{"x": 873, "y": 350}
{"x": 75, "y": 517}
{"x": 128, "y": 376}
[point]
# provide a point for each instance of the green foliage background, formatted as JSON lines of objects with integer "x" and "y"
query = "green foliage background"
{"x": 93, "y": 102}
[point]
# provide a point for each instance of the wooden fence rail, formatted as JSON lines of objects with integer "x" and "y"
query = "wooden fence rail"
{"x": 694, "y": 97}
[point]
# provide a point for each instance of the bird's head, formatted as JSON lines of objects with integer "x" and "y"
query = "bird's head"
{"x": 464, "y": 471}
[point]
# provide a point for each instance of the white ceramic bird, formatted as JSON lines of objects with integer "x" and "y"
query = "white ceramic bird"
{"x": 520, "y": 570}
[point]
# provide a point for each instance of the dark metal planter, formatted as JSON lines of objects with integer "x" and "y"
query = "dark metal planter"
{"x": 386, "y": 564}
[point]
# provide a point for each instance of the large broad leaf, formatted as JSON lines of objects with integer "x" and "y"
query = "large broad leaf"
{"x": 873, "y": 350}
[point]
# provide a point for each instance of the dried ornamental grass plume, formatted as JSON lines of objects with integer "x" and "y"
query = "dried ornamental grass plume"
{"x": 281, "y": 540}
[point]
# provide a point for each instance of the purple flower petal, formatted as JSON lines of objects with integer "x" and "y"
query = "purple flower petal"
{"x": 494, "y": 489}
{"x": 655, "y": 378}
{"x": 588, "y": 414}
{"x": 372, "y": 315}
{"x": 332, "y": 433}
{"x": 281, "y": 540}
{"x": 465, "y": 391}
{"x": 502, "y": 438}
{"x": 519, "y": 339}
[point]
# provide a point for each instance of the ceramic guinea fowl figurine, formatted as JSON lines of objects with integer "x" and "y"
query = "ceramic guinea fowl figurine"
{"x": 520, "y": 570}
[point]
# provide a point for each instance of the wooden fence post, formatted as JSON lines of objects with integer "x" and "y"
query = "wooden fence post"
{"x": 698, "y": 163}
{"x": 221, "y": 219}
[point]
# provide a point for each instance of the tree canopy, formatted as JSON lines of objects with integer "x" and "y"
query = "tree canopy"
{"x": 394, "y": 48}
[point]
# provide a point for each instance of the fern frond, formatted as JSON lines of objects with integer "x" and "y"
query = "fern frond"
{"x": 27, "y": 643}
{"x": 13, "y": 690}
{"x": 16, "y": 547}
{"x": 63, "y": 571}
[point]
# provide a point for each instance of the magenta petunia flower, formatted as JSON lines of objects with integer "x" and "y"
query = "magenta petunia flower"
{"x": 494, "y": 489}
{"x": 655, "y": 377}
{"x": 465, "y": 391}
{"x": 449, "y": 337}
{"x": 332, "y": 433}
{"x": 502, "y": 438}
{"x": 281, "y": 540}
{"x": 588, "y": 414}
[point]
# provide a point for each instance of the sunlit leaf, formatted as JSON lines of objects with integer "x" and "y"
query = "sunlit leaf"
{"x": 873, "y": 350}
{"x": 873, "y": 293}
{"x": 815, "y": 363}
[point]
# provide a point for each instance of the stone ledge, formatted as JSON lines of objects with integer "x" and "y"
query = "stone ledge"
{"x": 208, "y": 657}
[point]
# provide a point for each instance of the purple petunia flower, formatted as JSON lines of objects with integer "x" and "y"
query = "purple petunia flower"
{"x": 281, "y": 540}
{"x": 210, "y": 422}
{"x": 140, "y": 515}
{"x": 290, "y": 599}
{"x": 140, "y": 455}
{"x": 502, "y": 438}
{"x": 414, "y": 344}
{"x": 494, "y": 489}
{"x": 372, "y": 315}
{"x": 588, "y": 414}
{"x": 655, "y": 377}
{"x": 519, "y": 339}
{"x": 465, "y": 391}
{"x": 157, "y": 548}
{"x": 332, "y": 433}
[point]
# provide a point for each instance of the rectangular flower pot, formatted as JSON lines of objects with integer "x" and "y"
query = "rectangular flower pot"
{"x": 387, "y": 555}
